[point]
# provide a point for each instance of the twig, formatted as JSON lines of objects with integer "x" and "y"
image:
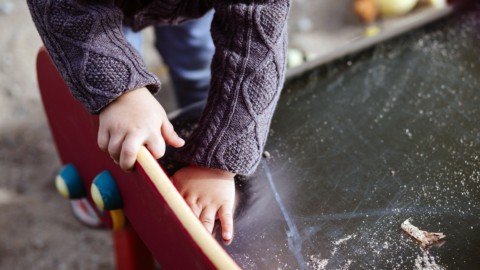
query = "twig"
{"x": 425, "y": 238}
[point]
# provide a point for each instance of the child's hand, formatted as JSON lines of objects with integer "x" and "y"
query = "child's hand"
{"x": 132, "y": 120}
{"x": 210, "y": 194}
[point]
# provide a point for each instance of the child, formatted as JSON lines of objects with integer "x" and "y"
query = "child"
{"x": 85, "y": 40}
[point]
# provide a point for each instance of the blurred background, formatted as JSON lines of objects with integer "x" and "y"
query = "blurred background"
{"x": 37, "y": 227}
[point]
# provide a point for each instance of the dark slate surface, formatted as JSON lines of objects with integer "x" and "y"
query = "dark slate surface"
{"x": 359, "y": 145}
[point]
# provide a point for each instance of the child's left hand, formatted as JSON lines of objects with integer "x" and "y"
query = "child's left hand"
{"x": 210, "y": 194}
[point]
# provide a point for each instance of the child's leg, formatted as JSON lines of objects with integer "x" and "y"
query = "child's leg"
{"x": 188, "y": 50}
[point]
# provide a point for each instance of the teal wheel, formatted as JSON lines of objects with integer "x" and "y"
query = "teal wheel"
{"x": 69, "y": 183}
{"x": 105, "y": 192}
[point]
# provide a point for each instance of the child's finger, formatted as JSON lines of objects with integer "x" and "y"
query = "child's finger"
{"x": 156, "y": 145}
{"x": 130, "y": 148}
{"x": 193, "y": 205}
{"x": 225, "y": 214}
{"x": 102, "y": 139}
{"x": 170, "y": 136}
{"x": 115, "y": 146}
{"x": 207, "y": 217}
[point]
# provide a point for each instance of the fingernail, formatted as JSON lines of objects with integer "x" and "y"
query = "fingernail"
{"x": 227, "y": 235}
{"x": 181, "y": 141}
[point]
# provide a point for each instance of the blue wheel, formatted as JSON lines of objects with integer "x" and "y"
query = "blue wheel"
{"x": 69, "y": 183}
{"x": 105, "y": 192}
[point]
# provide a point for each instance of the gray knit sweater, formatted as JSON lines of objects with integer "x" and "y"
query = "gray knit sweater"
{"x": 85, "y": 40}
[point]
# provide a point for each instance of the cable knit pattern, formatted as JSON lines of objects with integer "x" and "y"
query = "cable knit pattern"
{"x": 248, "y": 69}
{"x": 246, "y": 144}
{"x": 261, "y": 99}
{"x": 169, "y": 12}
{"x": 101, "y": 70}
{"x": 75, "y": 26}
{"x": 87, "y": 45}
{"x": 247, "y": 76}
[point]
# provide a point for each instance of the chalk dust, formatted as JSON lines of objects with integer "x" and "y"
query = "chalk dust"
{"x": 425, "y": 261}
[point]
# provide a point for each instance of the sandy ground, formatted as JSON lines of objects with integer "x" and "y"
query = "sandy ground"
{"x": 37, "y": 227}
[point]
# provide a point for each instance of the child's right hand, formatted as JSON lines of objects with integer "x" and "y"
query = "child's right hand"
{"x": 210, "y": 193}
{"x": 132, "y": 120}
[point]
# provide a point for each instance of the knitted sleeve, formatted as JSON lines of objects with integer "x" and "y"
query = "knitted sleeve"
{"x": 248, "y": 71}
{"x": 85, "y": 40}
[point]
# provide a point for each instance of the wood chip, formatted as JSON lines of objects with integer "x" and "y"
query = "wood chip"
{"x": 423, "y": 237}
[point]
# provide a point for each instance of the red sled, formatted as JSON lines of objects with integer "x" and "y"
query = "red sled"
{"x": 147, "y": 199}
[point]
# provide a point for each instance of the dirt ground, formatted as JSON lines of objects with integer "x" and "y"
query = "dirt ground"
{"x": 37, "y": 227}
